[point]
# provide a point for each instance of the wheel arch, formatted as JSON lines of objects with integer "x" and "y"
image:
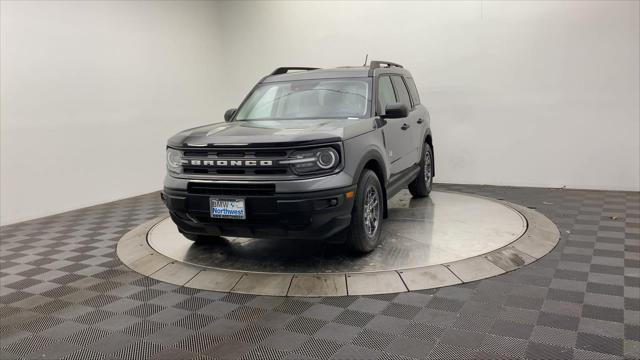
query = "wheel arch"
{"x": 372, "y": 160}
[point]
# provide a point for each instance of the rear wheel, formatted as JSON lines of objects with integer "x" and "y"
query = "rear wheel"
{"x": 363, "y": 234}
{"x": 421, "y": 186}
{"x": 202, "y": 239}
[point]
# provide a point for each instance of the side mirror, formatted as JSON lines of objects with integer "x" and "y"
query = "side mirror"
{"x": 229, "y": 114}
{"x": 395, "y": 111}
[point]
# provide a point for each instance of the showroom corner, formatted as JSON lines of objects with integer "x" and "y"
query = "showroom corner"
{"x": 321, "y": 180}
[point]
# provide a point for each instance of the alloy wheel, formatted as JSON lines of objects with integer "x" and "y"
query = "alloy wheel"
{"x": 371, "y": 211}
{"x": 427, "y": 167}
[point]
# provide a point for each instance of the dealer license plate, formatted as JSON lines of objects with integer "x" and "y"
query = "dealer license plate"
{"x": 227, "y": 208}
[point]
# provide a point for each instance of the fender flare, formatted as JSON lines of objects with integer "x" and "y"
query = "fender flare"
{"x": 371, "y": 154}
{"x": 374, "y": 154}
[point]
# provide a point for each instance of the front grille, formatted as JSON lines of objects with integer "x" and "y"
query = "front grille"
{"x": 235, "y": 153}
{"x": 273, "y": 155}
{"x": 206, "y": 188}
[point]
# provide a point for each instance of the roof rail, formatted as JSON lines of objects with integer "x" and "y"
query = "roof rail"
{"x": 376, "y": 64}
{"x": 284, "y": 70}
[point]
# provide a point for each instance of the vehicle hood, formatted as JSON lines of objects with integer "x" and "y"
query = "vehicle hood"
{"x": 272, "y": 132}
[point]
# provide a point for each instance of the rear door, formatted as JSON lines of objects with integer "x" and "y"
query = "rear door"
{"x": 423, "y": 121}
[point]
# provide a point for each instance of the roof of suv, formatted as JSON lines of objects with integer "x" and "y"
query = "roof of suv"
{"x": 282, "y": 74}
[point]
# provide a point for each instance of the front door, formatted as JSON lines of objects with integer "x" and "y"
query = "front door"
{"x": 396, "y": 133}
{"x": 411, "y": 124}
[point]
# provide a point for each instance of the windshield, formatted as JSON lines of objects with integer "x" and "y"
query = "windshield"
{"x": 308, "y": 99}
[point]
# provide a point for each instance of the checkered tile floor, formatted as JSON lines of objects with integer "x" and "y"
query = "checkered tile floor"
{"x": 64, "y": 294}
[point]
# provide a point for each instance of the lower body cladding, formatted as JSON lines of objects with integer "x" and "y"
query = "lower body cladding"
{"x": 307, "y": 215}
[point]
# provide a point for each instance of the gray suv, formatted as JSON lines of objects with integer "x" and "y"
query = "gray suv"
{"x": 309, "y": 154}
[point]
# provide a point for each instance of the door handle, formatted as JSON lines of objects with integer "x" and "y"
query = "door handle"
{"x": 404, "y": 127}
{"x": 420, "y": 121}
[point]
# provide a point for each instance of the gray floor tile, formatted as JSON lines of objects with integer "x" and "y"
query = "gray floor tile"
{"x": 59, "y": 278}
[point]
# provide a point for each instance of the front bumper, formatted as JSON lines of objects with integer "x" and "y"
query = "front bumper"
{"x": 305, "y": 215}
{"x": 302, "y": 185}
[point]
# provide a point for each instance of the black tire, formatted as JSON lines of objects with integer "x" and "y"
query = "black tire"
{"x": 202, "y": 239}
{"x": 360, "y": 236}
{"x": 422, "y": 184}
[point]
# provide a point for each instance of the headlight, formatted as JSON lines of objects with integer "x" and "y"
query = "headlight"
{"x": 313, "y": 161}
{"x": 174, "y": 160}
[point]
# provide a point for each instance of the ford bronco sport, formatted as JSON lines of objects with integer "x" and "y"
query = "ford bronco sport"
{"x": 308, "y": 154}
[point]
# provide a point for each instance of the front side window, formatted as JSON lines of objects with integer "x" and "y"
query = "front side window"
{"x": 308, "y": 99}
{"x": 386, "y": 94}
{"x": 401, "y": 90}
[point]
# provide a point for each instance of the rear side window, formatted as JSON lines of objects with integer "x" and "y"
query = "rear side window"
{"x": 386, "y": 95}
{"x": 413, "y": 91}
{"x": 401, "y": 91}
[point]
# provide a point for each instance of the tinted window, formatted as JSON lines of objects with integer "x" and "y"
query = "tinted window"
{"x": 413, "y": 91}
{"x": 386, "y": 95}
{"x": 401, "y": 91}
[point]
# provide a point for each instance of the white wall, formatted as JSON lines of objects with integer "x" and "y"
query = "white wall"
{"x": 536, "y": 93}
{"x": 540, "y": 93}
{"x": 90, "y": 91}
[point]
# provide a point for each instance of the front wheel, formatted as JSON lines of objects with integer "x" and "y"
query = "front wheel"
{"x": 421, "y": 186}
{"x": 363, "y": 235}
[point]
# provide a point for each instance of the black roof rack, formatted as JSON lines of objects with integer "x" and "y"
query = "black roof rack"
{"x": 376, "y": 64}
{"x": 284, "y": 70}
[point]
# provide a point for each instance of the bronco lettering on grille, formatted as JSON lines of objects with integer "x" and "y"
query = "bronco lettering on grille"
{"x": 229, "y": 163}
